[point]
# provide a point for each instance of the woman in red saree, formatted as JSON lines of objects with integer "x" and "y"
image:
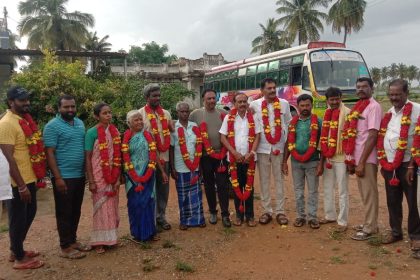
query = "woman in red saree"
{"x": 103, "y": 165}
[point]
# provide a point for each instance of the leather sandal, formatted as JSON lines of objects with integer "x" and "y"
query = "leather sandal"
{"x": 29, "y": 254}
{"x": 265, "y": 218}
{"x": 299, "y": 222}
{"x": 314, "y": 224}
{"x": 251, "y": 223}
{"x": 31, "y": 264}
{"x": 282, "y": 219}
{"x": 237, "y": 222}
{"x": 388, "y": 238}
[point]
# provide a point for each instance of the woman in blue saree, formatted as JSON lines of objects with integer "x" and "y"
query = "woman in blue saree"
{"x": 141, "y": 198}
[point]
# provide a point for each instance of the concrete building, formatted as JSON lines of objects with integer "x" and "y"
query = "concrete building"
{"x": 189, "y": 72}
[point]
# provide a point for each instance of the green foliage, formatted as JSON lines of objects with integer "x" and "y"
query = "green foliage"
{"x": 50, "y": 78}
{"x": 272, "y": 39}
{"x": 150, "y": 53}
{"x": 185, "y": 267}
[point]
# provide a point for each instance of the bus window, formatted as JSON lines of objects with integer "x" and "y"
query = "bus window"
{"x": 274, "y": 76}
{"x": 233, "y": 84}
{"x": 305, "y": 79}
{"x": 285, "y": 61}
{"x": 223, "y": 86}
{"x": 250, "y": 82}
{"x": 262, "y": 68}
{"x": 284, "y": 77}
{"x": 260, "y": 77}
{"x": 273, "y": 66}
{"x": 242, "y": 84}
{"x": 216, "y": 86}
{"x": 242, "y": 72}
{"x": 297, "y": 75}
{"x": 251, "y": 70}
{"x": 297, "y": 59}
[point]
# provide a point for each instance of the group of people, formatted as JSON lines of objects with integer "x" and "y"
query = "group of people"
{"x": 221, "y": 149}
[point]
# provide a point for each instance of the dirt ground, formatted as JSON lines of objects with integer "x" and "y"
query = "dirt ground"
{"x": 264, "y": 252}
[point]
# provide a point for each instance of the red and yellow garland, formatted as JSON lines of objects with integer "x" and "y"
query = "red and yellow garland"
{"x": 111, "y": 174}
{"x": 415, "y": 150}
{"x": 232, "y": 165}
{"x": 155, "y": 129}
{"x": 401, "y": 145}
{"x": 350, "y": 130}
{"x": 329, "y": 134}
{"x": 209, "y": 149}
{"x": 36, "y": 148}
{"x": 192, "y": 165}
{"x": 129, "y": 166}
{"x": 291, "y": 139}
{"x": 277, "y": 121}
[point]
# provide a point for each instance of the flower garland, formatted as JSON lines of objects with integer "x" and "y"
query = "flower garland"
{"x": 192, "y": 165}
{"x": 291, "y": 139}
{"x": 277, "y": 121}
{"x": 329, "y": 134}
{"x": 401, "y": 145}
{"x": 155, "y": 129}
{"x": 232, "y": 165}
{"x": 36, "y": 148}
{"x": 350, "y": 130}
{"x": 415, "y": 150}
{"x": 209, "y": 149}
{"x": 129, "y": 166}
{"x": 111, "y": 174}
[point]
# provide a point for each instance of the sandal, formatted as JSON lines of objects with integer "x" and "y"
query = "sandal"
{"x": 29, "y": 254}
{"x": 31, "y": 264}
{"x": 155, "y": 238}
{"x": 82, "y": 247}
{"x": 203, "y": 225}
{"x": 361, "y": 236}
{"x": 100, "y": 250}
{"x": 314, "y": 224}
{"x": 416, "y": 254}
{"x": 183, "y": 227}
{"x": 299, "y": 222}
{"x": 251, "y": 223}
{"x": 72, "y": 255}
{"x": 237, "y": 222}
{"x": 388, "y": 238}
{"x": 265, "y": 218}
{"x": 282, "y": 219}
{"x": 358, "y": 227}
{"x": 165, "y": 225}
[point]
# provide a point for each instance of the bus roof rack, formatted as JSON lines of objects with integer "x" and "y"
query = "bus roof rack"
{"x": 325, "y": 44}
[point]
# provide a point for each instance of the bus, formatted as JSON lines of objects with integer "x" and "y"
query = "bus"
{"x": 309, "y": 68}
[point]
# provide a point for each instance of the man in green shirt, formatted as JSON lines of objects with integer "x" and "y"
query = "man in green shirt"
{"x": 305, "y": 164}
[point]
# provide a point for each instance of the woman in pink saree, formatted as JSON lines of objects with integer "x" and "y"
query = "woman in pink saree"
{"x": 103, "y": 166}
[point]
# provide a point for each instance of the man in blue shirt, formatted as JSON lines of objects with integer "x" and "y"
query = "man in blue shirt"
{"x": 64, "y": 141}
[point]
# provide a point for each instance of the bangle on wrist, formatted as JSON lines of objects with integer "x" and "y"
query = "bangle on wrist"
{"x": 21, "y": 190}
{"x": 410, "y": 167}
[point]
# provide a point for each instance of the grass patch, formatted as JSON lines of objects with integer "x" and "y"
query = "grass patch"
{"x": 337, "y": 260}
{"x": 380, "y": 251}
{"x": 335, "y": 235}
{"x": 4, "y": 228}
{"x": 229, "y": 231}
{"x": 375, "y": 241}
{"x": 372, "y": 266}
{"x": 149, "y": 267}
{"x": 168, "y": 244}
{"x": 147, "y": 260}
{"x": 184, "y": 267}
{"x": 145, "y": 245}
{"x": 335, "y": 249}
{"x": 389, "y": 264}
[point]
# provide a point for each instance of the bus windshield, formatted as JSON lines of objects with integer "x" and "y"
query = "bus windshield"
{"x": 338, "y": 68}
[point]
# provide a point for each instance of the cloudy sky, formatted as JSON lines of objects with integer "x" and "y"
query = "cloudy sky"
{"x": 191, "y": 27}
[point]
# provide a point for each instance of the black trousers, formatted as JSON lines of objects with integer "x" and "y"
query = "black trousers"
{"x": 249, "y": 203}
{"x": 67, "y": 210}
{"x": 212, "y": 178}
{"x": 394, "y": 199}
{"x": 21, "y": 216}
{"x": 162, "y": 194}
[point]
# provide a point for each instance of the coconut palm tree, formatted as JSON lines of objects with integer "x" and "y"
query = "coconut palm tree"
{"x": 48, "y": 25}
{"x": 95, "y": 44}
{"x": 412, "y": 72}
{"x": 393, "y": 71}
{"x": 376, "y": 75}
{"x": 402, "y": 70}
{"x": 347, "y": 16}
{"x": 384, "y": 73}
{"x": 302, "y": 19}
{"x": 272, "y": 39}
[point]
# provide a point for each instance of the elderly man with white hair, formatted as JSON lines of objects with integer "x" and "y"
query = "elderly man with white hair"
{"x": 185, "y": 155}
{"x": 158, "y": 122}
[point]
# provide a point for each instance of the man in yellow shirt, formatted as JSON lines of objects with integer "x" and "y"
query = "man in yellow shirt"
{"x": 22, "y": 208}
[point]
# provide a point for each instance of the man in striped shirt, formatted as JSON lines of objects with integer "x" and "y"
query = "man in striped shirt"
{"x": 64, "y": 138}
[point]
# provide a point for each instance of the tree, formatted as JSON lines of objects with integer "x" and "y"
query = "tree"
{"x": 95, "y": 44}
{"x": 347, "y": 16}
{"x": 384, "y": 73}
{"x": 393, "y": 71}
{"x": 150, "y": 53}
{"x": 302, "y": 19}
{"x": 271, "y": 38}
{"x": 412, "y": 72}
{"x": 48, "y": 25}
{"x": 402, "y": 70}
{"x": 376, "y": 75}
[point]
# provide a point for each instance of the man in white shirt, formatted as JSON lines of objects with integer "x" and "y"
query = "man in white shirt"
{"x": 242, "y": 154}
{"x": 403, "y": 179}
{"x": 270, "y": 151}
